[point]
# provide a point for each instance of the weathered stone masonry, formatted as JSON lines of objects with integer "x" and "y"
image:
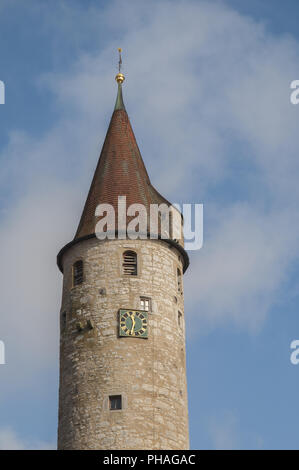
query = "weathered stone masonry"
{"x": 96, "y": 363}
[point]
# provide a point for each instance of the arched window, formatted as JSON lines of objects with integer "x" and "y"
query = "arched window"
{"x": 130, "y": 263}
{"x": 78, "y": 273}
{"x": 179, "y": 278}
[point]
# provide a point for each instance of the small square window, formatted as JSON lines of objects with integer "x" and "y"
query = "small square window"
{"x": 145, "y": 304}
{"x": 115, "y": 402}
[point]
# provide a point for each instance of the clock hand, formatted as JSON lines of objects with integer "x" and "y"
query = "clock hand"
{"x": 133, "y": 323}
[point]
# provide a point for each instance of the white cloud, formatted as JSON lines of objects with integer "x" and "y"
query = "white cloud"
{"x": 224, "y": 431}
{"x": 244, "y": 263}
{"x": 9, "y": 440}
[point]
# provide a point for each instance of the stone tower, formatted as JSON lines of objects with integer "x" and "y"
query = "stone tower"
{"x": 122, "y": 328}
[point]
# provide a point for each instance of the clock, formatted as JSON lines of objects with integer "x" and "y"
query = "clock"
{"x": 133, "y": 323}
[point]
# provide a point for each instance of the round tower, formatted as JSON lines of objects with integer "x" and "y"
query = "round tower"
{"x": 122, "y": 328}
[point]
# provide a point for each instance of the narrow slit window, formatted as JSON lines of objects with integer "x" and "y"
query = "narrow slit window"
{"x": 63, "y": 319}
{"x": 115, "y": 402}
{"x": 145, "y": 304}
{"x": 180, "y": 319}
{"x": 179, "y": 278}
{"x": 78, "y": 273}
{"x": 171, "y": 225}
{"x": 130, "y": 263}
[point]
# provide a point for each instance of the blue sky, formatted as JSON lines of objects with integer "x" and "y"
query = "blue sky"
{"x": 211, "y": 112}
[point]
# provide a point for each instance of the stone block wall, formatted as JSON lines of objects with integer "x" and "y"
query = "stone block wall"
{"x": 149, "y": 374}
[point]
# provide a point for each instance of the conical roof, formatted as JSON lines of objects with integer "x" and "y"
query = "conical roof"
{"x": 120, "y": 172}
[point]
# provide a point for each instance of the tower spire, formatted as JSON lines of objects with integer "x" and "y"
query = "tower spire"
{"x": 120, "y": 61}
{"x": 120, "y": 172}
{"x": 120, "y": 79}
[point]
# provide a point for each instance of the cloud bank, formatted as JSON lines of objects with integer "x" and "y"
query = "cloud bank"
{"x": 9, "y": 440}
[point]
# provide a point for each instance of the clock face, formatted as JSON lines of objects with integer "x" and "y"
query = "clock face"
{"x": 133, "y": 323}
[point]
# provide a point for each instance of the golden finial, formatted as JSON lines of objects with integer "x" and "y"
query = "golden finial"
{"x": 119, "y": 77}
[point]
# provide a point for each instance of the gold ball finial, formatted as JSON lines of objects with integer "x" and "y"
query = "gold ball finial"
{"x": 119, "y": 77}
